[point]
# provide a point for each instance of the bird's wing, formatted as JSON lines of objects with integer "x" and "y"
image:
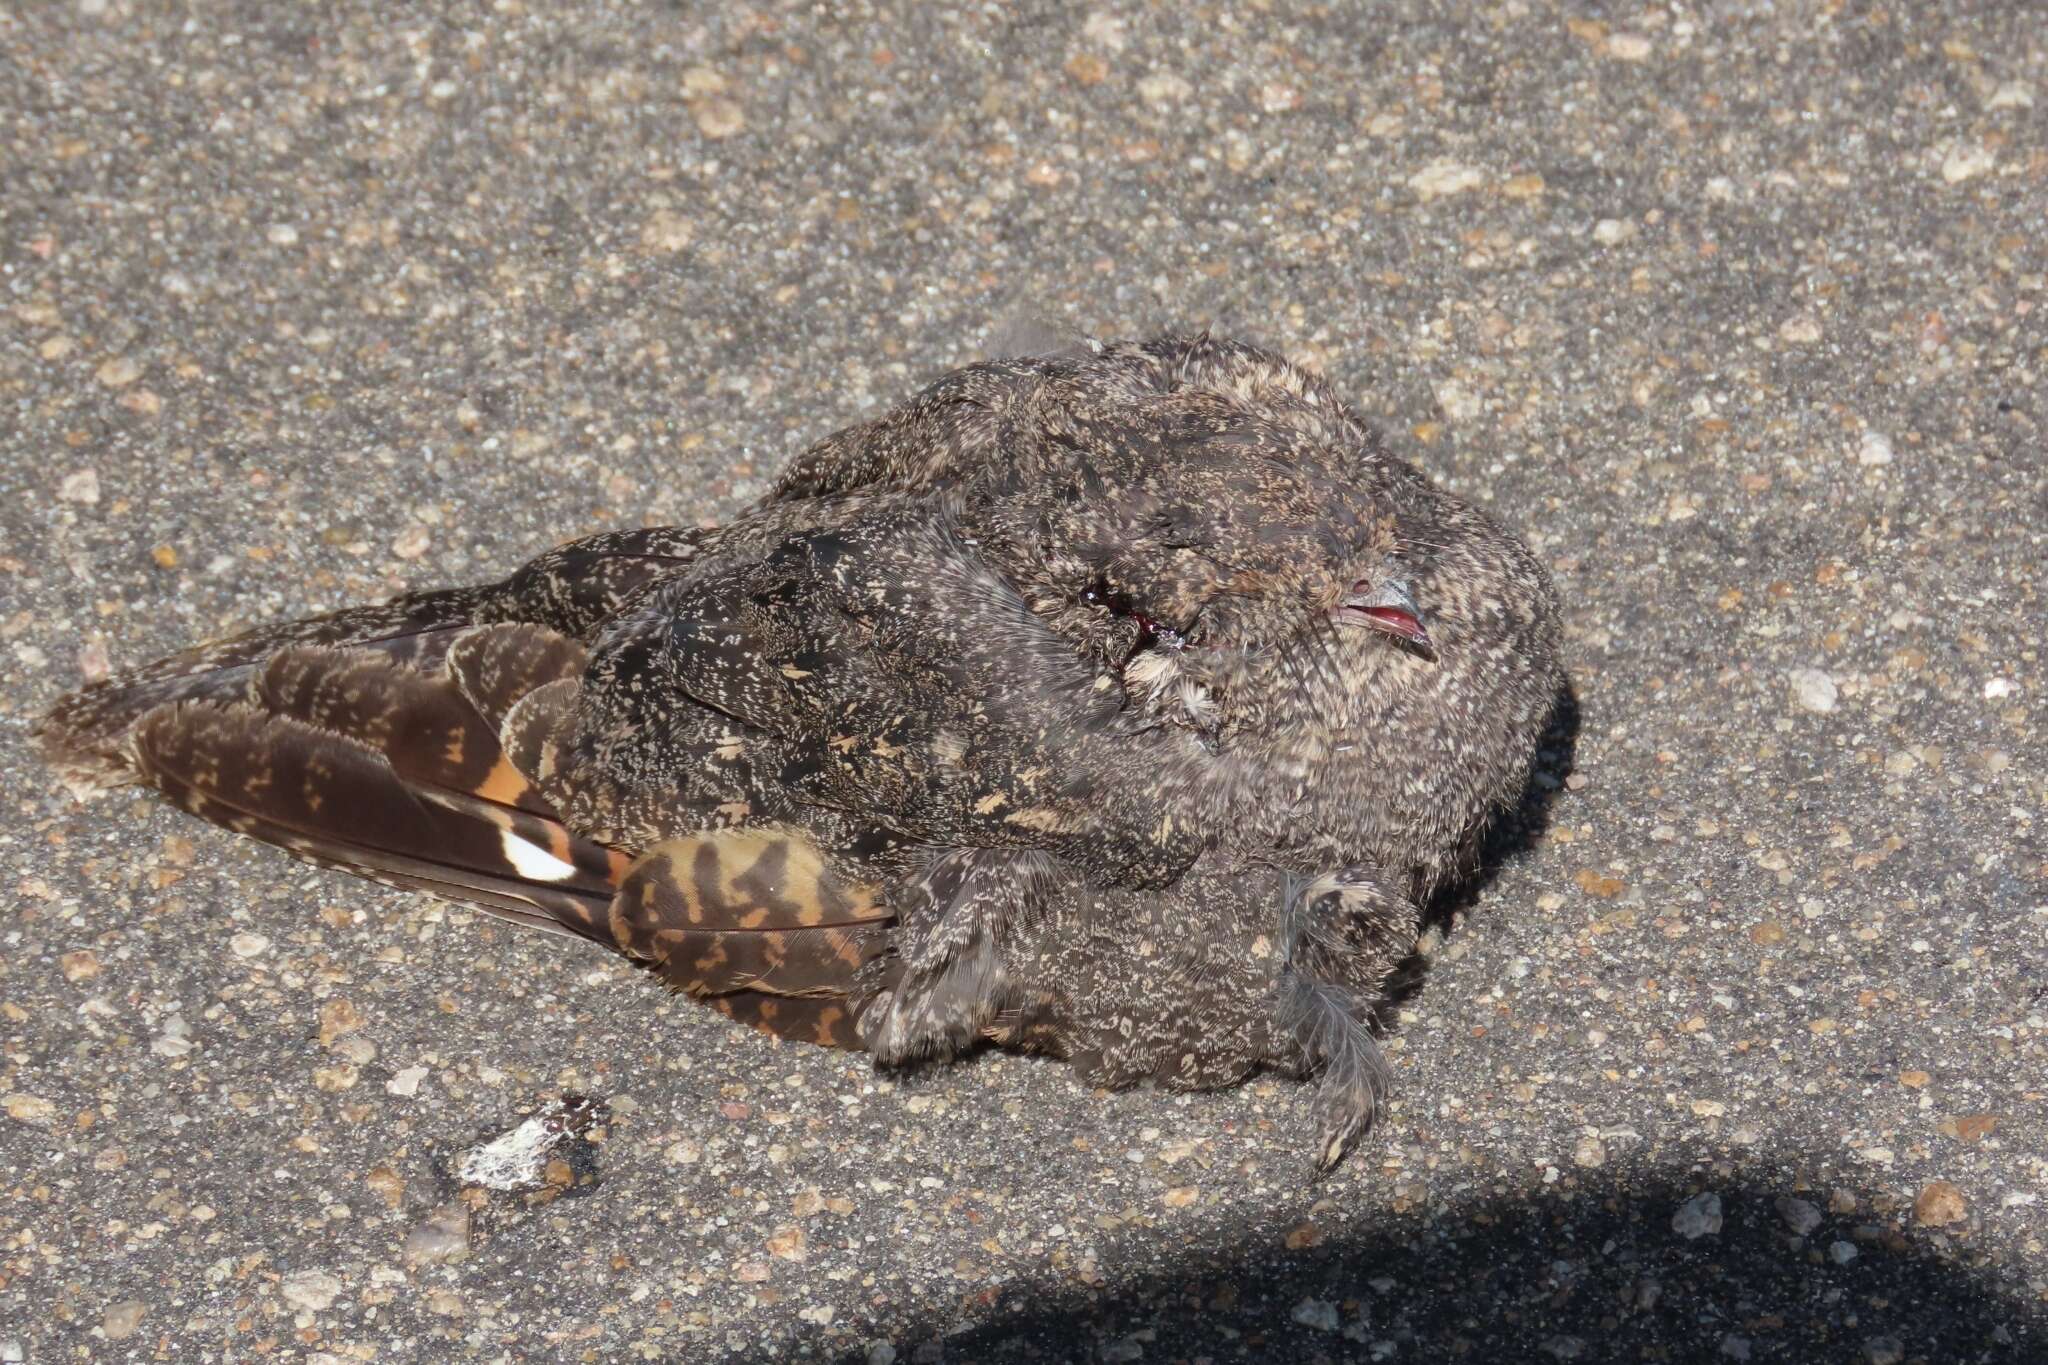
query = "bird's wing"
{"x": 569, "y": 589}
{"x": 418, "y": 744}
{"x": 885, "y": 671}
{"x": 347, "y": 757}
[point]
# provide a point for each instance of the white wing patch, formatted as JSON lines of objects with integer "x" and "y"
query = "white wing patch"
{"x": 533, "y": 862}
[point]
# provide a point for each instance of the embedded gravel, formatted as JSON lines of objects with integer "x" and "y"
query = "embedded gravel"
{"x": 1735, "y": 311}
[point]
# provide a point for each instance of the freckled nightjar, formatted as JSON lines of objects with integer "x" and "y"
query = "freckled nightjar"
{"x": 1121, "y": 704}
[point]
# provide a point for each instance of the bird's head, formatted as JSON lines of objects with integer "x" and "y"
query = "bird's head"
{"x": 1249, "y": 596}
{"x": 1361, "y": 654}
{"x": 1354, "y": 665}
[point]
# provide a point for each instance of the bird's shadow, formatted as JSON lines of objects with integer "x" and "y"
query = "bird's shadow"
{"x": 1513, "y": 835}
{"x": 1653, "y": 1263}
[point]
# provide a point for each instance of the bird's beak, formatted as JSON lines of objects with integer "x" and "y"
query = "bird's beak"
{"x": 1389, "y": 608}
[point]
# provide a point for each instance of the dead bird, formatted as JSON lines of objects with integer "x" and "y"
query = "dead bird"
{"x": 1121, "y": 705}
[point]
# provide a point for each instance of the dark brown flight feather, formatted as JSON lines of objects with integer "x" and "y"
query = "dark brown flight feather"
{"x": 1121, "y": 704}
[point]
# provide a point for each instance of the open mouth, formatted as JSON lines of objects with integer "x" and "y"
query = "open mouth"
{"x": 1390, "y": 609}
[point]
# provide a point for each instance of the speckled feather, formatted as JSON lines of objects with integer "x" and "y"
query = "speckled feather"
{"x": 1122, "y": 706}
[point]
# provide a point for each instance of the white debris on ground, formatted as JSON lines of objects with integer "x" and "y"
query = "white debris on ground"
{"x": 518, "y": 1159}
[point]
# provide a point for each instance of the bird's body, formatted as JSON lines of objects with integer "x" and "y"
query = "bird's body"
{"x": 1122, "y": 706}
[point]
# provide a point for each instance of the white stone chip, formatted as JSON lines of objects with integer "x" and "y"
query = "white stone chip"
{"x": 312, "y": 1290}
{"x": 1442, "y": 178}
{"x": 1814, "y": 690}
{"x": 80, "y": 486}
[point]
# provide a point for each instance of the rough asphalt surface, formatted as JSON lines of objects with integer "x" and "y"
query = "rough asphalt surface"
{"x": 1735, "y": 311}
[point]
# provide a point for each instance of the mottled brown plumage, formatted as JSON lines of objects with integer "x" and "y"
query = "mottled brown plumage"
{"x": 1123, "y": 706}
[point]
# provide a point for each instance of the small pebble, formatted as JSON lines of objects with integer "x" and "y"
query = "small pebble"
{"x": 80, "y": 486}
{"x": 1697, "y": 1217}
{"x": 176, "y": 1039}
{"x": 1276, "y": 97}
{"x": 1940, "y": 1204}
{"x": 1440, "y": 179}
{"x": 1966, "y": 163}
{"x": 666, "y": 231}
{"x": 121, "y": 1320}
{"x": 1168, "y": 87}
{"x": 1874, "y": 450}
{"x": 719, "y": 118}
{"x": 1800, "y": 331}
{"x": 312, "y": 1290}
{"x": 443, "y": 1239}
{"x": 1799, "y": 1215}
{"x": 1320, "y": 1314}
{"x": 1814, "y": 690}
{"x": 29, "y": 1108}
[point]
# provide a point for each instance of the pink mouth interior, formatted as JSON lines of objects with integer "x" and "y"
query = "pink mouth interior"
{"x": 1394, "y": 621}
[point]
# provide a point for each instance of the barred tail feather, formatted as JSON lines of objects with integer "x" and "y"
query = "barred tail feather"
{"x": 744, "y": 910}
{"x": 434, "y": 761}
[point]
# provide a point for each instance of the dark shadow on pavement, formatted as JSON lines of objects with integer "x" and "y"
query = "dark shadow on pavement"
{"x": 1605, "y": 1271}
